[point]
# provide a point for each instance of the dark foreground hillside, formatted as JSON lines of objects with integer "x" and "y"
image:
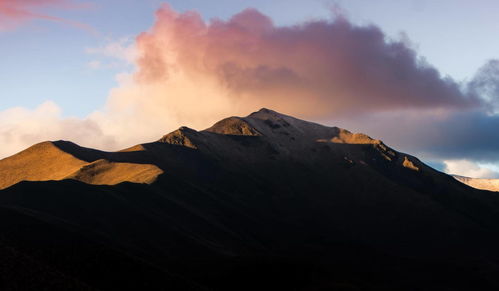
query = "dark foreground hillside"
{"x": 261, "y": 202}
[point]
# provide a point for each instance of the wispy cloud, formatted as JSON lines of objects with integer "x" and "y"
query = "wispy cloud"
{"x": 113, "y": 54}
{"x": 123, "y": 49}
{"x": 16, "y": 12}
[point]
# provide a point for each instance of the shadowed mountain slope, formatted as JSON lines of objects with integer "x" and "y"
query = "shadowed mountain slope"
{"x": 265, "y": 201}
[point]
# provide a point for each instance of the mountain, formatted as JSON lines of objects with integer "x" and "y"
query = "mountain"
{"x": 483, "y": 184}
{"x": 265, "y": 201}
{"x": 65, "y": 160}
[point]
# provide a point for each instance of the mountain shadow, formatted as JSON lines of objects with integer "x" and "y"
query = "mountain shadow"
{"x": 265, "y": 202}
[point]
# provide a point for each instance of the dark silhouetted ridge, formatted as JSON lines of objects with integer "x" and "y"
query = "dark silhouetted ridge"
{"x": 262, "y": 202}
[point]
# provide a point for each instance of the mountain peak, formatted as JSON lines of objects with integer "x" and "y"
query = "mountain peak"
{"x": 261, "y": 136}
{"x": 42, "y": 161}
{"x": 267, "y": 113}
{"x": 233, "y": 126}
{"x": 62, "y": 160}
{"x": 181, "y": 137}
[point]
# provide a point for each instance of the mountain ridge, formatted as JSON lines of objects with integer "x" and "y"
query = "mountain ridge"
{"x": 60, "y": 160}
{"x": 478, "y": 183}
{"x": 285, "y": 132}
{"x": 264, "y": 201}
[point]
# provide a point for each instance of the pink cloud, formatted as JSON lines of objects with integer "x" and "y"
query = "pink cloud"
{"x": 192, "y": 72}
{"x": 313, "y": 69}
{"x": 15, "y": 12}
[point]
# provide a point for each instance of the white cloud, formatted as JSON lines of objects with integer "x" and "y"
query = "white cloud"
{"x": 468, "y": 168}
{"x": 22, "y": 127}
{"x": 123, "y": 49}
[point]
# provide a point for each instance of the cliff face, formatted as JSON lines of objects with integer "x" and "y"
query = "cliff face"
{"x": 263, "y": 201}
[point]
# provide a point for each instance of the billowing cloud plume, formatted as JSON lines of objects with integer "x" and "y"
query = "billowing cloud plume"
{"x": 192, "y": 72}
{"x": 317, "y": 68}
{"x": 15, "y": 12}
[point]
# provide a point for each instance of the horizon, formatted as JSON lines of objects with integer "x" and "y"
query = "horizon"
{"x": 74, "y": 71}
